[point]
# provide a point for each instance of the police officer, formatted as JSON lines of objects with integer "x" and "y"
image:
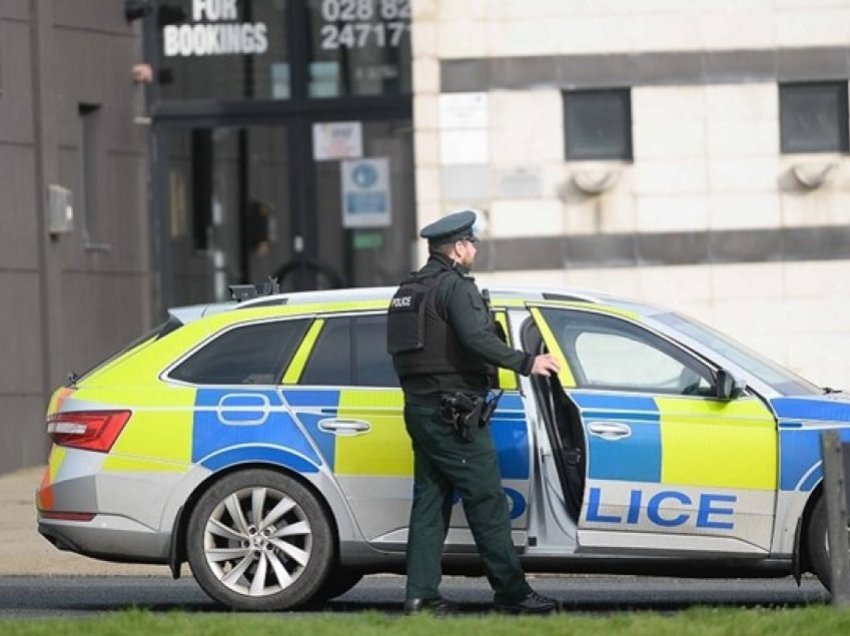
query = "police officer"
{"x": 444, "y": 341}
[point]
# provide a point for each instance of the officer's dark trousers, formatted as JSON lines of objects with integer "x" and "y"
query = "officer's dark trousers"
{"x": 443, "y": 464}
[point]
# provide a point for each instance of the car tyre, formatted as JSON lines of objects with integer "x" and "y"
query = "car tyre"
{"x": 817, "y": 544}
{"x": 259, "y": 540}
{"x": 337, "y": 584}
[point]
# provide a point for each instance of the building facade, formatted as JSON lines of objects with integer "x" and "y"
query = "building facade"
{"x": 693, "y": 155}
{"x": 690, "y": 154}
{"x": 74, "y": 286}
{"x": 284, "y": 143}
{"x": 154, "y": 152}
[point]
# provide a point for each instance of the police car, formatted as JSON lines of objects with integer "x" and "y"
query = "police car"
{"x": 263, "y": 442}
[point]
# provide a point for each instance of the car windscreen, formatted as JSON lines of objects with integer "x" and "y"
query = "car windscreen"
{"x": 765, "y": 370}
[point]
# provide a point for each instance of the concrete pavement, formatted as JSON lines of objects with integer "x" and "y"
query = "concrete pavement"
{"x": 25, "y": 552}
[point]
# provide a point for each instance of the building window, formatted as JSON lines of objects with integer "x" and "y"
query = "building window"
{"x": 358, "y": 47}
{"x": 598, "y": 124}
{"x": 224, "y": 49}
{"x": 813, "y": 117}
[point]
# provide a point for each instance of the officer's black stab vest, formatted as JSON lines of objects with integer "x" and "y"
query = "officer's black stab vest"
{"x": 420, "y": 340}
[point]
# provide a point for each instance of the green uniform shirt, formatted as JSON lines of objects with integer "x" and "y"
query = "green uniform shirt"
{"x": 459, "y": 300}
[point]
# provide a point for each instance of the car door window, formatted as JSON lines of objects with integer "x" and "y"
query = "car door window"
{"x": 373, "y": 366}
{"x": 251, "y": 354}
{"x": 330, "y": 361}
{"x": 611, "y": 353}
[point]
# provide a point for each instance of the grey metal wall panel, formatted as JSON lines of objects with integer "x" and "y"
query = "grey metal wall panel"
{"x": 18, "y": 244}
{"x": 25, "y": 441}
{"x": 103, "y": 313}
{"x": 20, "y": 364}
{"x": 118, "y": 228}
{"x": 104, "y": 16}
{"x": 15, "y": 83}
{"x": 67, "y": 306}
{"x": 102, "y": 63}
{"x": 127, "y": 229}
{"x": 17, "y": 9}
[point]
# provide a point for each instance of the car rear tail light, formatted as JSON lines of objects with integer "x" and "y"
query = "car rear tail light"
{"x": 87, "y": 430}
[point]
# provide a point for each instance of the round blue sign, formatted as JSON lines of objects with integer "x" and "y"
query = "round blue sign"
{"x": 364, "y": 175}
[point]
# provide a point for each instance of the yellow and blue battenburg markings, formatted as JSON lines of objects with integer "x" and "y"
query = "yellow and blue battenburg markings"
{"x": 686, "y": 459}
{"x": 565, "y": 375}
{"x": 640, "y": 459}
{"x": 382, "y": 452}
{"x": 800, "y": 444}
{"x": 311, "y": 407}
{"x": 232, "y": 427}
{"x": 688, "y": 442}
{"x": 238, "y": 426}
{"x": 386, "y": 450}
{"x": 509, "y": 429}
{"x": 510, "y": 437}
{"x": 507, "y": 378}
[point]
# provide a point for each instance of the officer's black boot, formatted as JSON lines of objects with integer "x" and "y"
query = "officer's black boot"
{"x": 532, "y": 603}
{"x": 439, "y": 606}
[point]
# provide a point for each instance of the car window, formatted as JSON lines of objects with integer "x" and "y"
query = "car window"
{"x": 251, "y": 354}
{"x": 373, "y": 365}
{"x": 766, "y": 370}
{"x": 330, "y": 361}
{"x": 606, "y": 352}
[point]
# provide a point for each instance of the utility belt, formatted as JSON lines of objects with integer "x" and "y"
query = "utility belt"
{"x": 467, "y": 412}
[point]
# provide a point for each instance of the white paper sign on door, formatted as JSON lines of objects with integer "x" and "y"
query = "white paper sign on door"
{"x": 337, "y": 140}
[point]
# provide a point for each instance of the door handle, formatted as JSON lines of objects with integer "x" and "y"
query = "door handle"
{"x": 610, "y": 430}
{"x": 344, "y": 427}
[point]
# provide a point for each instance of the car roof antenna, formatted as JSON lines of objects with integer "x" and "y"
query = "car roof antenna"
{"x": 241, "y": 293}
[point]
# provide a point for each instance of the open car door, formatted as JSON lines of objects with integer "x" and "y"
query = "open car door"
{"x": 661, "y": 464}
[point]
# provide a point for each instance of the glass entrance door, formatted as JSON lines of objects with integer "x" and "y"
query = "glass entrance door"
{"x": 229, "y": 204}
{"x": 241, "y": 209}
{"x": 366, "y": 208}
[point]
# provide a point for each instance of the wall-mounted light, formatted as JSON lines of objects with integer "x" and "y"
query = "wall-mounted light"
{"x": 813, "y": 175}
{"x": 595, "y": 181}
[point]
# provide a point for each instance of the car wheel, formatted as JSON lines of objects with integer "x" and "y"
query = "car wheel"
{"x": 259, "y": 540}
{"x": 817, "y": 543}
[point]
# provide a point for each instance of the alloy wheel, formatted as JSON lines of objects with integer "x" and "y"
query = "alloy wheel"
{"x": 257, "y": 541}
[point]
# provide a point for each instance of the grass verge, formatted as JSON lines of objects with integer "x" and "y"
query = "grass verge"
{"x": 702, "y": 621}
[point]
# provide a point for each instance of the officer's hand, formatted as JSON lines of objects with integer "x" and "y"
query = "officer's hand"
{"x": 545, "y": 364}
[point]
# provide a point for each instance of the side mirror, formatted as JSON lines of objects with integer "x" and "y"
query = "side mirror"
{"x": 727, "y": 386}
